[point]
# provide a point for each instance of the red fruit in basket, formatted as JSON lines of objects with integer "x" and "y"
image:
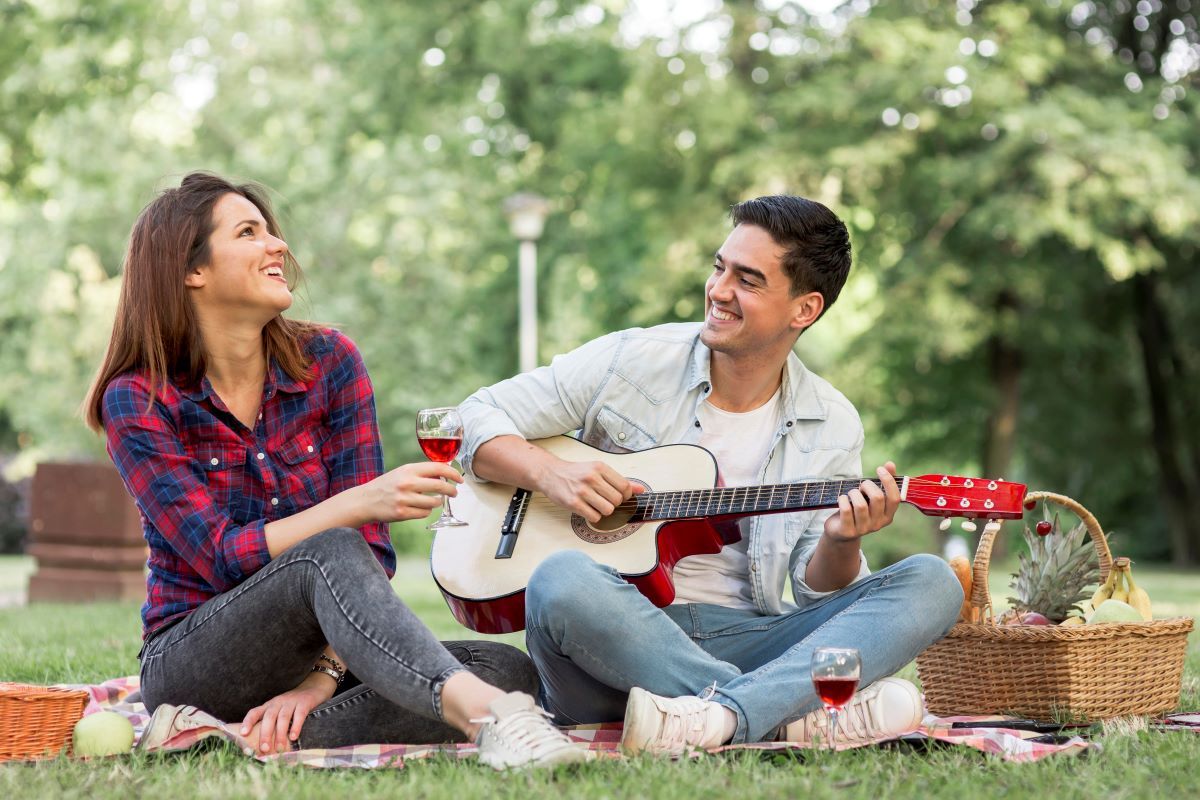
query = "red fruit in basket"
{"x": 1043, "y": 528}
{"x": 1034, "y": 618}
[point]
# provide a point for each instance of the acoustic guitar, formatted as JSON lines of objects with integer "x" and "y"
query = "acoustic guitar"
{"x": 482, "y": 569}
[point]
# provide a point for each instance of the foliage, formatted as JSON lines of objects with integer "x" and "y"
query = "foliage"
{"x": 1009, "y": 171}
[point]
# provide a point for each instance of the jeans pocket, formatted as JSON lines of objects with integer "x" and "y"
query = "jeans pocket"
{"x": 709, "y": 621}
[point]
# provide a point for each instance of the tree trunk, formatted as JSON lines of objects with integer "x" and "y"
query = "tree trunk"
{"x": 1005, "y": 363}
{"x": 1174, "y": 487}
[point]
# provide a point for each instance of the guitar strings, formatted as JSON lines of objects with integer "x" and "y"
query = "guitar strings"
{"x": 546, "y": 507}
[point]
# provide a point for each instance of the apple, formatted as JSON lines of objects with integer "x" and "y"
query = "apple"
{"x": 1034, "y": 618}
{"x": 104, "y": 733}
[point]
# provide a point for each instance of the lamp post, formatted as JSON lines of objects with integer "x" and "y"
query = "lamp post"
{"x": 526, "y": 217}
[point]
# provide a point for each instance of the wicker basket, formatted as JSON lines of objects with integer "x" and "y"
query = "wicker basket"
{"x": 36, "y": 721}
{"x": 1053, "y": 672}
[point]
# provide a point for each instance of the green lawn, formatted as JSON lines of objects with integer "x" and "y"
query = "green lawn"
{"x": 54, "y": 643}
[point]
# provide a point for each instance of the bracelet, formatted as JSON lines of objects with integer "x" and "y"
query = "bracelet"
{"x": 338, "y": 677}
{"x": 333, "y": 662}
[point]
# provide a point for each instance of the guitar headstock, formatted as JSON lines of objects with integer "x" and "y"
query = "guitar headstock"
{"x": 956, "y": 496}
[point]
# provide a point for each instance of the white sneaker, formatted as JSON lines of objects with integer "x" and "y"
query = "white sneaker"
{"x": 169, "y": 721}
{"x": 671, "y": 725}
{"x": 884, "y": 710}
{"x": 518, "y": 734}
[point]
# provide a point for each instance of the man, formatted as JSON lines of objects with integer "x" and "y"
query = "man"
{"x": 729, "y": 660}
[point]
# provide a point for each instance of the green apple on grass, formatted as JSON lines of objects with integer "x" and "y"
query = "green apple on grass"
{"x": 104, "y": 733}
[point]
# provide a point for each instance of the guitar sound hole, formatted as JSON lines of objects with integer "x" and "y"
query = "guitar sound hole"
{"x": 612, "y": 528}
{"x": 613, "y": 522}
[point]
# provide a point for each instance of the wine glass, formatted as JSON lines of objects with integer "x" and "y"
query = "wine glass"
{"x": 835, "y": 673}
{"x": 440, "y": 434}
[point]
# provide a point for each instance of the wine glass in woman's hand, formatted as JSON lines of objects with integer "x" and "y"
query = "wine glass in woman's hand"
{"x": 440, "y": 433}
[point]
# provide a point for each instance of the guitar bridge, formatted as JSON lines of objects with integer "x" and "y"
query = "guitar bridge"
{"x": 513, "y": 518}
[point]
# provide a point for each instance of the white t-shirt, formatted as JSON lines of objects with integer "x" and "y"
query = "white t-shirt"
{"x": 741, "y": 444}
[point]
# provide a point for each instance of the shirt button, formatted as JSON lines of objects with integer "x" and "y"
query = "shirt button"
{"x": 261, "y": 456}
{"x": 310, "y": 448}
{"x": 697, "y": 423}
{"x": 621, "y": 436}
{"x": 274, "y": 501}
{"x": 215, "y": 461}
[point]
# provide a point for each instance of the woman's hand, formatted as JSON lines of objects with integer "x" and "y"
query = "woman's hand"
{"x": 283, "y": 716}
{"x": 409, "y": 492}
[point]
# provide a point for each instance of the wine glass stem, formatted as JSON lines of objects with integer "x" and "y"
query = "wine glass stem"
{"x": 448, "y": 512}
{"x": 833, "y": 720}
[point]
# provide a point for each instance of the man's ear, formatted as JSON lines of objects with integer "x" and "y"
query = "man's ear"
{"x": 806, "y": 308}
{"x": 195, "y": 278}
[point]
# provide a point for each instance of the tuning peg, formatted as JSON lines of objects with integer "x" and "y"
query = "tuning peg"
{"x": 968, "y": 526}
{"x": 944, "y": 525}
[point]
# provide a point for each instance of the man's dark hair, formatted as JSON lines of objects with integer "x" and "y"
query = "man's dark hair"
{"x": 816, "y": 243}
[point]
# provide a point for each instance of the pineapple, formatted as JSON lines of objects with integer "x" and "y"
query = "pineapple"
{"x": 1053, "y": 577}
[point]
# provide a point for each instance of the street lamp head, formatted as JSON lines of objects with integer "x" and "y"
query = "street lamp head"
{"x": 526, "y": 215}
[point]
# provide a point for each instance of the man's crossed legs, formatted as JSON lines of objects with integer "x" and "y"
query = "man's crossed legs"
{"x": 594, "y": 637}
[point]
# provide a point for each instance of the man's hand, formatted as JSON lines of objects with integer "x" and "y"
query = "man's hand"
{"x": 865, "y": 509}
{"x": 592, "y": 489}
{"x": 283, "y": 716}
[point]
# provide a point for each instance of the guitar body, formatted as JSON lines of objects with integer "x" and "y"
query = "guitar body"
{"x": 486, "y": 593}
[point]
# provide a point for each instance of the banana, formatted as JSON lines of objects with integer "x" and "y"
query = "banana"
{"x": 1072, "y": 620}
{"x": 1121, "y": 592}
{"x": 1138, "y": 598}
{"x": 1106, "y": 590}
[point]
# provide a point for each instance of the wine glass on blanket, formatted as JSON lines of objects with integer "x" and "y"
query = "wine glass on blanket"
{"x": 440, "y": 434}
{"x": 835, "y": 674}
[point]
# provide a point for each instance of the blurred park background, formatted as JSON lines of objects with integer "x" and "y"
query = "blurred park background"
{"x": 1020, "y": 180}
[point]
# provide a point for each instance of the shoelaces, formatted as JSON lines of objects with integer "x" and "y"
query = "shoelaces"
{"x": 527, "y": 729}
{"x": 684, "y": 717}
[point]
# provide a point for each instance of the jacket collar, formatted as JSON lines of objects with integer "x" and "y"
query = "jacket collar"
{"x": 801, "y": 400}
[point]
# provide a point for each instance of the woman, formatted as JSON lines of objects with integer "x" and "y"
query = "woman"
{"x": 250, "y": 445}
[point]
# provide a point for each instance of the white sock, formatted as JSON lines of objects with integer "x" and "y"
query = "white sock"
{"x": 729, "y": 726}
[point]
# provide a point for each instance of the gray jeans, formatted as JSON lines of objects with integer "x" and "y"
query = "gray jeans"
{"x": 261, "y": 639}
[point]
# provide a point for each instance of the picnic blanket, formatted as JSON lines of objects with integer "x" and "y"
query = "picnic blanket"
{"x": 118, "y": 695}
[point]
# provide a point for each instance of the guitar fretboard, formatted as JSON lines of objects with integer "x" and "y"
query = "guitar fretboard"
{"x": 743, "y": 499}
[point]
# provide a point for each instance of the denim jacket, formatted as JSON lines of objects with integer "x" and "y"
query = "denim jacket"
{"x": 640, "y": 388}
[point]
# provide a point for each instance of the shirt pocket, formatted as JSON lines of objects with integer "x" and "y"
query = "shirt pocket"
{"x": 619, "y": 434}
{"x": 223, "y": 467}
{"x": 304, "y": 478}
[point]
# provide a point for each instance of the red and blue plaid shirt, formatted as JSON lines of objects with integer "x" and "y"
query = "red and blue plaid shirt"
{"x": 206, "y": 485}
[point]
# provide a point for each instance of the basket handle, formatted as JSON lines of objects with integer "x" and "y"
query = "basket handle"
{"x": 981, "y": 599}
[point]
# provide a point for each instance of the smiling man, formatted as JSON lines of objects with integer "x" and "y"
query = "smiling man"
{"x": 729, "y": 660}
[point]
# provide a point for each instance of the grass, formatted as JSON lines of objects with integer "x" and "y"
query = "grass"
{"x": 81, "y": 644}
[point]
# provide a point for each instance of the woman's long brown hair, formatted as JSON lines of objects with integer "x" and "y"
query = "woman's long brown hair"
{"x": 155, "y": 328}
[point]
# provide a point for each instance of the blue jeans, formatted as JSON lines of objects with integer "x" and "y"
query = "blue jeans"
{"x": 594, "y": 637}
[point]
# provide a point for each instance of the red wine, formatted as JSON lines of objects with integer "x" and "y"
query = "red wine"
{"x": 442, "y": 449}
{"x": 835, "y": 692}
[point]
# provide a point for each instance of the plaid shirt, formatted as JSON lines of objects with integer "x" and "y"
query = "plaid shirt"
{"x": 206, "y": 485}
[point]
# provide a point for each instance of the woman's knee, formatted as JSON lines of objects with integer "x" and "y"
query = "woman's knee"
{"x": 340, "y": 543}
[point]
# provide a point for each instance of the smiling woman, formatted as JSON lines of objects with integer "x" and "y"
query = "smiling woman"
{"x": 250, "y": 445}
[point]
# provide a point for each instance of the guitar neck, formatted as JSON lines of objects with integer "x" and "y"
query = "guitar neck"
{"x": 735, "y": 500}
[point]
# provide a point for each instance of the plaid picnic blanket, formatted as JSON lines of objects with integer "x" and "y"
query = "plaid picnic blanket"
{"x": 602, "y": 740}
